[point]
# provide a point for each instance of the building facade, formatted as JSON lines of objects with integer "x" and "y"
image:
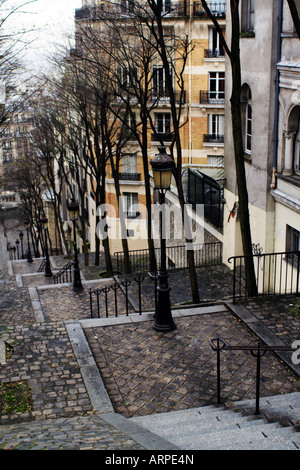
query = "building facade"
{"x": 286, "y": 187}
{"x": 14, "y": 145}
{"x": 269, "y": 48}
{"x": 202, "y": 132}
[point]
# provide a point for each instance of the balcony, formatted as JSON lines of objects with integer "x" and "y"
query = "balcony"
{"x": 162, "y": 137}
{"x": 164, "y": 97}
{"x": 171, "y": 9}
{"x": 212, "y": 97}
{"x": 213, "y": 138}
{"x": 216, "y": 8}
{"x": 175, "y": 8}
{"x": 127, "y": 136}
{"x": 214, "y": 53}
{"x": 130, "y": 176}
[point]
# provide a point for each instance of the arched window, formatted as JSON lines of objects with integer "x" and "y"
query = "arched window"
{"x": 292, "y": 143}
{"x": 246, "y": 101}
{"x": 248, "y": 129}
{"x": 296, "y": 149}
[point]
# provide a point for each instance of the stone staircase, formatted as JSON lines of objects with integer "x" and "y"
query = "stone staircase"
{"x": 231, "y": 427}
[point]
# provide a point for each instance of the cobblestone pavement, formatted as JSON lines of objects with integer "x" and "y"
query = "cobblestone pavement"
{"x": 143, "y": 371}
{"x": 280, "y": 315}
{"x": 87, "y": 432}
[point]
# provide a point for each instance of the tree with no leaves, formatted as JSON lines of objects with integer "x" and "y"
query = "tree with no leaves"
{"x": 235, "y": 101}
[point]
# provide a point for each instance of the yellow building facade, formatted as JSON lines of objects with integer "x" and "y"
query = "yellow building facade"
{"x": 202, "y": 116}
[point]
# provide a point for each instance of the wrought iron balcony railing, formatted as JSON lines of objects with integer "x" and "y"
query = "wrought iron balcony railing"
{"x": 171, "y": 8}
{"x": 162, "y": 137}
{"x": 130, "y": 176}
{"x": 213, "y": 138}
{"x": 216, "y": 8}
{"x": 213, "y": 53}
{"x": 215, "y": 97}
{"x": 164, "y": 96}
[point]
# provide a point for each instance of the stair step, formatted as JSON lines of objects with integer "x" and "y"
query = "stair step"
{"x": 288, "y": 398}
{"x": 193, "y": 424}
{"x": 264, "y": 437}
{"x": 233, "y": 427}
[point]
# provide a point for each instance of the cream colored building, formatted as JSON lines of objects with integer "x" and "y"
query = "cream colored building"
{"x": 14, "y": 144}
{"x": 202, "y": 136}
{"x": 286, "y": 190}
{"x": 270, "y": 63}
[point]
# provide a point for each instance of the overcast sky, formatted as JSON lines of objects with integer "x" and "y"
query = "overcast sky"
{"x": 51, "y": 20}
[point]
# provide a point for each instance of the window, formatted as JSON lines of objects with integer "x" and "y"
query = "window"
{"x": 131, "y": 205}
{"x": 216, "y": 126}
{"x": 292, "y": 242}
{"x": 247, "y": 117}
{"x": 127, "y": 77}
{"x": 215, "y": 46}
{"x": 163, "y": 123}
{"x": 7, "y": 157}
{"x": 248, "y": 12}
{"x": 129, "y": 125}
{"x": 159, "y": 87}
{"x": 217, "y": 85}
{"x": 129, "y": 164}
{"x": 166, "y": 5}
{"x": 248, "y": 129}
{"x": 297, "y": 150}
{"x": 127, "y": 6}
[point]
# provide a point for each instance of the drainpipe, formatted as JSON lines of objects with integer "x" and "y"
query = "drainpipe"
{"x": 275, "y": 144}
{"x": 190, "y": 88}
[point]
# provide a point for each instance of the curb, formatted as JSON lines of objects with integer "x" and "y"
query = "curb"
{"x": 99, "y": 397}
{"x": 262, "y": 332}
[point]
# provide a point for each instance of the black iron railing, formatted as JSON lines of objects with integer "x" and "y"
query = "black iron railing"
{"x": 213, "y": 138}
{"x": 275, "y": 274}
{"x": 258, "y": 351}
{"x": 42, "y": 266}
{"x": 207, "y": 254}
{"x": 130, "y": 176}
{"x": 118, "y": 299}
{"x": 206, "y": 191}
{"x": 213, "y": 53}
{"x": 209, "y": 97}
{"x": 64, "y": 274}
{"x": 216, "y": 8}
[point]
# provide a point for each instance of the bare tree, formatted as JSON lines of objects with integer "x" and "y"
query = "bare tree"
{"x": 235, "y": 100}
{"x": 295, "y": 16}
{"x": 173, "y": 52}
{"x": 13, "y": 41}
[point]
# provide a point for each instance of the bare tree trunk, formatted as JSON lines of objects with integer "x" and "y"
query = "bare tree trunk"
{"x": 295, "y": 16}
{"x": 239, "y": 149}
{"x": 235, "y": 100}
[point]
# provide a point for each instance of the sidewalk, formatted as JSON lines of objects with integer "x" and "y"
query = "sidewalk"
{"x": 58, "y": 351}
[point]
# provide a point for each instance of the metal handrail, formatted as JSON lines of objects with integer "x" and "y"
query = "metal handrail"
{"x": 115, "y": 287}
{"x": 42, "y": 266}
{"x": 220, "y": 344}
{"x": 276, "y": 273}
{"x": 67, "y": 269}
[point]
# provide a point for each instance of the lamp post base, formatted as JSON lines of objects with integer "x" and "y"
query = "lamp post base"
{"x": 163, "y": 320}
{"x": 77, "y": 285}
{"x": 164, "y": 328}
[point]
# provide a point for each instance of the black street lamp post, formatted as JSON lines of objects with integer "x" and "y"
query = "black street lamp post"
{"x": 73, "y": 208}
{"x": 21, "y": 238}
{"x": 29, "y": 257}
{"x": 162, "y": 166}
{"x": 44, "y": 224}
{"x": 17, "y": 245}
